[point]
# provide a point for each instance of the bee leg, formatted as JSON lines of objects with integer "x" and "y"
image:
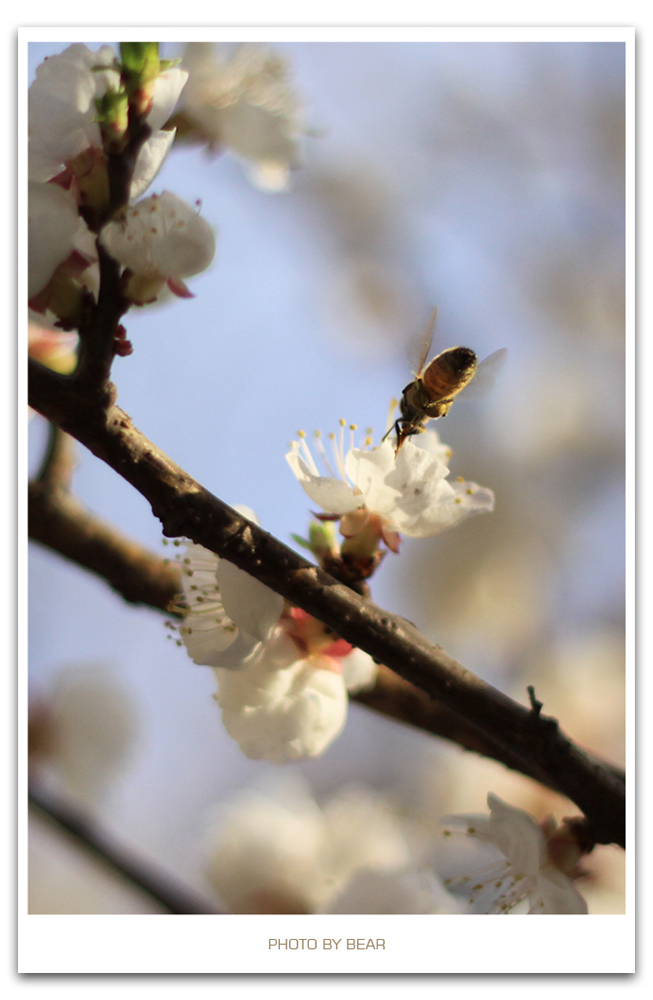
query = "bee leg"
{"x": 396, "y": 427}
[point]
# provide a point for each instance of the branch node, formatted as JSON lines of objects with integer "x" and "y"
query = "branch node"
{"x": 536, "y": 706}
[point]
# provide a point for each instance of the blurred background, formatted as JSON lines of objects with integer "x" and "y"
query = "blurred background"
{"x": 487, "y": 179}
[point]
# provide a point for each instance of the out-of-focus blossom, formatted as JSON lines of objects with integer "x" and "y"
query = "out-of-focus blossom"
{"x": 277, "y": 851}
{"x": 282, "y": 677}
{"x": 375, "y": 493}
{"x": 83, "y": 731}
{"x": 539, "y": 862}
{"x": 243, "y": 101}
{"x": 407, "y": 890}
{"x": 64, "y": 134}
{"x": 52, "y": 348}
{"x": 161, "y": 240}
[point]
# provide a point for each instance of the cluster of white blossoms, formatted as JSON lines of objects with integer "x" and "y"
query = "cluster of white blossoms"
{"x": 283, "y": 679}
{"x": 68, "y": 183}
{"x": 275, "y": 850}
{"x": 378, "y": 496}
{"x": 242, "y": 100}
{"x": 539, "y": 861}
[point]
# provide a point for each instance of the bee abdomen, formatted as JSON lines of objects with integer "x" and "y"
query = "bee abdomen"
{"x": 450, "y": 372}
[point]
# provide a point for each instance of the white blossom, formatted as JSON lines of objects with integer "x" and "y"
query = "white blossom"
{"x": 410, "y": 493}
{"x": 243, "y": 101}
{"x": 86, "y": 728}
{"x": 407, "y": 890}
{"x": 230, "y": 613}
{"x": 284, "y": 705}
{"x": 62, "y": 113}
{"x": 291, "y": 698}
{"x": 283, "y": 679}
{"x": 53, "y": 223}
{"x": 534, "y": 868}
{"x": 54, "y": 348}
{"x": 162, "y": 240}
{"x": 274, "y": 849}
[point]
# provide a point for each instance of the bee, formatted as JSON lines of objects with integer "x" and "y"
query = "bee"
{"x": 431, "y": 393}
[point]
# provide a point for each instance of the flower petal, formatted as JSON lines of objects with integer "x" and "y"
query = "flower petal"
{"x": 53, "y": 221}
{"x": 282, "y": 714}
{"x": 333, "y": 495}
{"x": 556, "y": 893}
{"x": 254, "y": 607}
{"x": 167, "y": 90}
{"x": 149, "y": 161}
{"x": 358, "y": 670}
{"x": 517, "y": 835}
{"x": 62, "y": 114}
{"x": 371, "y": 472}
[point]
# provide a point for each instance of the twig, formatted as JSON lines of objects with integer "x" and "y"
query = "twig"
{"x": 58, "y": 462}
{"x": 167, "y": 892}
{"x": 185, "y": 508}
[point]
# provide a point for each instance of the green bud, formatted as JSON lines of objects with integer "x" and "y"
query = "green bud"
{"x": 140, "y": 68}
{"x": 112, "y": 111}
{"x": 141, "y": 60}
{"x": 322, "y": 536}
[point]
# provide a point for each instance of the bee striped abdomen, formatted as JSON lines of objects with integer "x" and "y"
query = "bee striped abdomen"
{"x": 449, "y": 372}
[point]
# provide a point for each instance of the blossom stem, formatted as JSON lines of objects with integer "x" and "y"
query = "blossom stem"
{"x": 98, "y": 336}
{"x": 121, "y": 165}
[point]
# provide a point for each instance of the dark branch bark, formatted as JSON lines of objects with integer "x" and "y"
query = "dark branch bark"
{"x": 63, "y": 525}
{"x": 139, "y": 873}
{"x": 58, "y": 463}
{"x": 185, "y": 508}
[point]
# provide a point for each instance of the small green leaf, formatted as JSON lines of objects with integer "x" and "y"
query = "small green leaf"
{"x": 305, "y": 544}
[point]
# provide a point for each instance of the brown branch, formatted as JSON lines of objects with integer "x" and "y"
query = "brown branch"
{"x": 61, "y": 523}
{"x": 59, "y": 461}
{"x": 137, "y": 871}
{"x": 99, "y": 332}
{"x": 185, "y": 508}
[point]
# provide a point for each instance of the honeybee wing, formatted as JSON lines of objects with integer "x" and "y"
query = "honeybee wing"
{"x": 486, "y": 374}
{"x": 419, "y": 349}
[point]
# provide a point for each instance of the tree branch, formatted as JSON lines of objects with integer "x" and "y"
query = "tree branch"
{"x": 63, "y": 525}
{"x": 58, "y": 463}
{"x": 167, "y": 892}
{"x": 185, "y": 508}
